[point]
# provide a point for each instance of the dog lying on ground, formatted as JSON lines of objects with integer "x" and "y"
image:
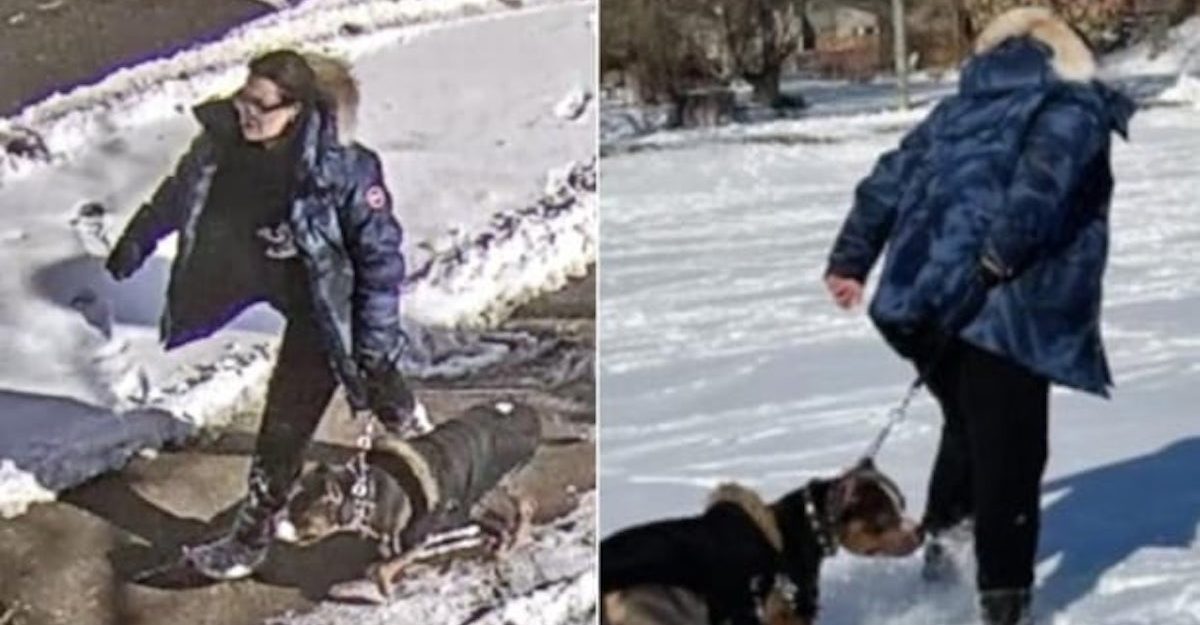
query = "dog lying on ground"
{"x": 745, "y": 561}
{"x": 417, "y": 488}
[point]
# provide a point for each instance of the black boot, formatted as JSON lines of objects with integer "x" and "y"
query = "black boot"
{"x": 1008, "y": 606}
{"x": 243, "y": 549}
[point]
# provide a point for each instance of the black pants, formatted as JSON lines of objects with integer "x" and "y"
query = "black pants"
{"x": 301, "y": 386}
{"x": 298, "y": 393}
{"x": 990, "y": 461}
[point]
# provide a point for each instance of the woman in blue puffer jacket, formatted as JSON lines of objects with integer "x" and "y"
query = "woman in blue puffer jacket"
{"x": 274, "y": 202}
{"x": 994, "y": 213}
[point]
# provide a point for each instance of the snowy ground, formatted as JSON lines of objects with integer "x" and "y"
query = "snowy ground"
{"x": 469, "y": 103}
{"x": 724, "y": 359}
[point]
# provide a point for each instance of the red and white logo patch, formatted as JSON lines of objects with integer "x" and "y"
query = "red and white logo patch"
{"x": 376, "y": 198}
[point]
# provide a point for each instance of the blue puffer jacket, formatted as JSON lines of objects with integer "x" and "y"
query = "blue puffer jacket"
{"x": 340, "y": 214}
{"x": 1012, "y": 172}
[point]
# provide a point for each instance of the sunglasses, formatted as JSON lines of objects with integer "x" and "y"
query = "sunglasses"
{"x": 256, "y": 107}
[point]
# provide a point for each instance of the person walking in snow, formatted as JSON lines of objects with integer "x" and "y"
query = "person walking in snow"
{"x": 994, "y": 211}
{"x": 274, "y": 203}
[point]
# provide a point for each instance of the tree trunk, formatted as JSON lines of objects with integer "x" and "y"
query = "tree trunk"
{"x": 766, "y": 85}
{"x": 887, "y": 41}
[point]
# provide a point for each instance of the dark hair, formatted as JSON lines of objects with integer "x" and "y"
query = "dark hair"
{"x": 289, "y": 71}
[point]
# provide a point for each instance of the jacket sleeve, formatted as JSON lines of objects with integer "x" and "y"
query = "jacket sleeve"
{"x": 1062, "y": 141}
{"x": 373, "y": 237}
{"x": 168, "y": 206}
{"x": 869, "y": 223}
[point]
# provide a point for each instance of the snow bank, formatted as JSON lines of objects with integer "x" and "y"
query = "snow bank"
{"x": 476, "y": 279}
{"x": 549, "y": 581}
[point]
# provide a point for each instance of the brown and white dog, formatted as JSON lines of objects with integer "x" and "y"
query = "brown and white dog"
{"x": 421, "y": 487}
{"x": 745, "y": 561}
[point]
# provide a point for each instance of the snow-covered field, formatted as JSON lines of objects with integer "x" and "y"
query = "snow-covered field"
{"x": 483, "y": 117}
{"x": 723, "y": 359}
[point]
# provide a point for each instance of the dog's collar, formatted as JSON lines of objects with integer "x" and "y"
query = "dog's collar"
{"x": 822, "y": 526}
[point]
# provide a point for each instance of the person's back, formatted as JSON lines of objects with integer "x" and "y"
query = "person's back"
{"x": 994, "y": 213}
{"x": 1012, "y": 172}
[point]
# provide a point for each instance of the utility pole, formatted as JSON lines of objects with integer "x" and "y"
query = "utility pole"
{"x": 900, "y": 39}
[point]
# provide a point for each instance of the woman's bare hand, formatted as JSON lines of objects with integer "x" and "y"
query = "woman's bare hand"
{"x": 846, "y": 292}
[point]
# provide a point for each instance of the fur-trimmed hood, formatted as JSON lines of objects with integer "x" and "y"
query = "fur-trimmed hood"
{"x": 754, "y": 506}
{"x": 337, "y": 82}
{"x": 1071, "y": 60}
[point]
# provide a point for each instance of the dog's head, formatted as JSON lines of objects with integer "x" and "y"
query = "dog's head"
{"x": 867, "y": 509}
{"x": 320, "y": 505}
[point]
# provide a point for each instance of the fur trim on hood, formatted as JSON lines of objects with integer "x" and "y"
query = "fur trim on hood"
{"x": 336, "y": 81}
{"x": 754, "y": 506}
{"x": 1073, "y": 60}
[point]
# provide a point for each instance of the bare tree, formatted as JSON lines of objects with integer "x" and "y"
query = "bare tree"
{"x": 759, "y": 37}
{"x": 658, "y": 46}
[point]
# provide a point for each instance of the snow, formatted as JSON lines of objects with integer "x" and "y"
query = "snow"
{"x": 496, "y": 191}
{"x": 1178, "y": 53}
{"x": 723, "y": 359}
{"x": 1186, "y": 90}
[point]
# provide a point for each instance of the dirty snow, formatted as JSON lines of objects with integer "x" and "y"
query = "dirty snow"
{"x": 496, "y": 190}
{"x": 549, "y": 581}
{"x": 724, "y": 359}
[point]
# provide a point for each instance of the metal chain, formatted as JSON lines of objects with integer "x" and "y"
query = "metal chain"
{"x": 358, "y": 465}
{"x": 895, "y": 416}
